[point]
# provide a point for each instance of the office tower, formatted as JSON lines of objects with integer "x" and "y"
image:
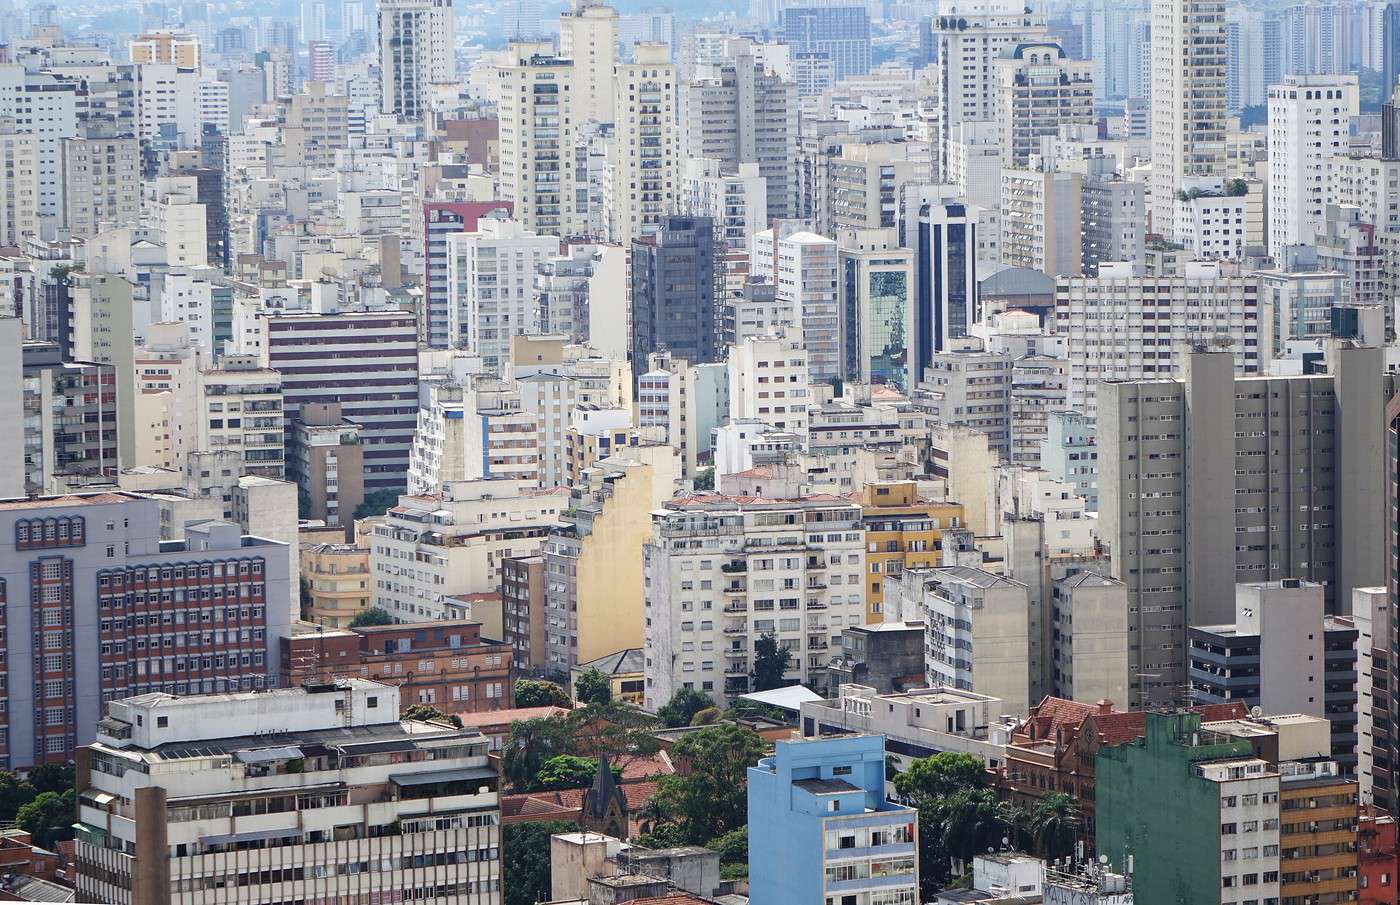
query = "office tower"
{"x": 1280, "y": 653}
{"x": 877, "y": 285}
{"x": 175, "y": 759}
{"x": 736, "y": 200}
{"x": 313, "y": 20}
{"x": 802, "y": 266}
{"x": 814, "y": 801}
{"x": 739, "y": 111}
{"x": 841, "y": 32}
{"x": 697, "y": 639}
{"x": 537, "y": 117}
{"x": 588, "y": 37}
{"x": 1222, "y": 512}
{"x": 1041, "y": 220}
{"x": 106, "y": 548}
{"x": 943, "y": 235}
{"x": 1105, "y": 321}
{"x": 490, "y": 281}
{"x": 415, "y": 53}
{"x": 649, "y": 25}
{"x": 674, "y": 308}
{"x": 645, "y": 174}
{"x": 968, "y": 41}
{"x": 366, "y": 361}
{"x": 1309, "y": 124}
{"x": 1038, "y": 88}
{"x": 320, "y": 61}
{"x": 442, "y": 219}
{"x": 1390, "y": 53}
{"x": 1188, "y": 101}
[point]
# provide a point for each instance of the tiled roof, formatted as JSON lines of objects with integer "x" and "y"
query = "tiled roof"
{"x": 501, "y": 717}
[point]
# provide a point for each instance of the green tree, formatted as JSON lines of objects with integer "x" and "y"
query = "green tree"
{"x": 939, "y": 776}
{"x": 565, "y": 771}
{"x": 662, "y": 835}
{"x": 376, "y": 502}
{"x": 593, "y": 688}
{"x": 52, "y": 778}
{"x": 683, "y": 706}
{"x": 538, "y": 693}
{"x": 972, "y": 823}
{"x": 705, "y": 479}
{"x": 529, "y": 745}
{"x": 525, "y": 860}
{"x": 1053, "y": 823}
{"x": 617, "y": 729}
{"x": 428, "y": 713}
{"x": 371, "y": 616}
{"x": 707, "y": 717}
{"x": 14, "y": 794}
{"x": 733, "y": 846}
{"x": 770, "y": 663}
{"x": 708, "y": 798}
{"x": 49, "y": 818}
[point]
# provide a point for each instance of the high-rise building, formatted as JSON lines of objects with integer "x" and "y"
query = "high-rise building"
{"x": 106, "y": 548}
{"x": 163, "y": 765}
{"x": 1193, "y": 499}
{"x": 819, "y": 822}
{"x": 775, "y": 574}
{"x": 1041, "y": 220}
{"x": 674, "y": 308}
{"x": 320, "y": 61}
{"x": 840, "y": 31}
{"x": 741, "y": 111}
{"x": 490, "y": 280}
{"x": 967, "y": 39}
{"x": 588, "y": 36}
{"x": 441, "y": 220}
{"x": 538, "y": 115}
{"x": 1188, "y": 100}
{"x": 943, "y": 235}
{"x": 1390, "y": 53}
{"x": 415, "y": 53}
{"x": 803, "y": 267}
{"x": 1038, "y": 88}
{"x": 1309, "y": 124}
{"x": 877, "y": 288}
{"x": 19, "y": 185}
{"x": 645, "y": 170}
{"x": 366, "y": 361}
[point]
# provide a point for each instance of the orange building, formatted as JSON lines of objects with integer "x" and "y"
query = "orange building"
{"x": 902, "y": 531}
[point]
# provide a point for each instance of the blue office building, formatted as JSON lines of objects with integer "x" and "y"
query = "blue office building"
{"x": 821, "y": 831}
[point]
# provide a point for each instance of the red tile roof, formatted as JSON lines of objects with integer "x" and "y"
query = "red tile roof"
{"x": 506, "y": 717}
{"x": 1121, "y": 728}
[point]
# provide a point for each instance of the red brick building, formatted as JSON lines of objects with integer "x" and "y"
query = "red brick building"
{"x": 447, "y": 665}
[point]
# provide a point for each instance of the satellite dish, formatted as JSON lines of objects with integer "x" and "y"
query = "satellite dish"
{"x": 1256, "y": 711}
{"x": 1103, "y": 859}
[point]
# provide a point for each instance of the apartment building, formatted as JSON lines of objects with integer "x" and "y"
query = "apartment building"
{"x": 673, "y": 292}
{"x": 970, "y": 389}
{"x": 433, "y": 546}
{"x": 441, "y": 220}
{"x": 522, "y": 611}
{"x": 491, "y": 282}
{"x": 646, "y": 172}
{"x": 769, "y": 381}
{"x": 803, "y": 267}
{"x": 326, "y": 460}
{"x": 588, "y": 35}
{"x": 240, "y": 409}
{"x": 1194, "y": 498}
{"x": 337, "y": 583}
{"x": 537, "y": 125}
{"x": 1309, "y": 124}
{"x": 1041, "y": 220}
{"x": 315, "y": 126}
{"x": 58, "y": 394}
{"x": 191, "y": 616}
{"x": 1122, "y": 325}
{"x": 790, "y": 568}
{"x": 1038, "y": 88}
{"x": 165, "y": 771}
{"x": 415, "y": 54}
{"x": 593, "y": 602}
{"x": 449, "y": 665}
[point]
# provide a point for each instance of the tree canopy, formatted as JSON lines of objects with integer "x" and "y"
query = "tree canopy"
{"x": 770, "y": 663}
{"x": 429, "y": 713}
{"x": 371, "y": 616}
{"x": 376, "y": 502}
{"x": 539, "y": 693}
{"x": 593, "y": 688}
{"x": 709, "y": 796}
{"x": 525, "y": 860}
{"x": 683, "y": 706}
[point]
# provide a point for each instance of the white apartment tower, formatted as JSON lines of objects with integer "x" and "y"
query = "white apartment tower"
{"x": 491, "y": 280}
{"x": 1309, "y": 119}
{"x": 538, "y": 111}
{"x": 646, "y": 175}
{"x": 415, "y": 53}
{"x": 1188, "y": 100}
{"x": 803, "y": 267}
{"x": 588, "y": 37}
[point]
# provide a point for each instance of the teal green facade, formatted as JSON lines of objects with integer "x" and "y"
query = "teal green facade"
{"x": 1149, "y": 804}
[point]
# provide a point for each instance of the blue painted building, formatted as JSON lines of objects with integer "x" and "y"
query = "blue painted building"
{"x": 821, "y": 831}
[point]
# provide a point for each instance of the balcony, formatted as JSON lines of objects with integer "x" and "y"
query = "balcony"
{"x": 731, "y": 568}
{"x": 736, "y": 652}
{"x": 736, "y": 629}
{"x": 737, "y": 669}
{"x": 735, "y": 608}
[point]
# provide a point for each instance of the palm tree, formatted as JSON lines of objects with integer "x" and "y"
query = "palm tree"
{"x": 1053, "y": 823}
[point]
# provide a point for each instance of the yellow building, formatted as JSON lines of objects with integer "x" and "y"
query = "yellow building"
{"x": 593, "y": 566}
{"x": 180, "y": 48}
{"x": 902, "y": 531}
{"x": 335, "y": 583}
